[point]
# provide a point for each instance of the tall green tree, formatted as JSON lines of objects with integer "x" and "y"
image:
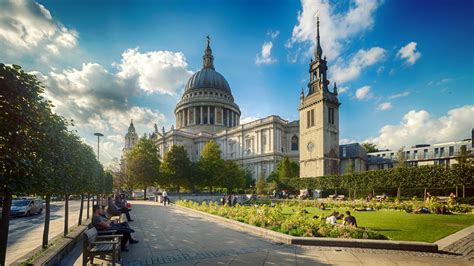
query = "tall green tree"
{"x": 232, "y": 176}
{"x": 210, "y": 164}
{"x": 176, "y": 166}
{"x": 261, "y": 184}
{"x": 370, "y": 147}
{"x": 143, "y": 164}
{"x": 462, "y": 172}
{"x": 26, "y": 120}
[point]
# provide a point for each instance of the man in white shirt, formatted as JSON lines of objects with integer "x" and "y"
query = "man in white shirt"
{"x": 332, "y": 219}
{"x": 165, "y": 197}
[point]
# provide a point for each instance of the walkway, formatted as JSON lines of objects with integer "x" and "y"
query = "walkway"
{"x": 170, "y": 236}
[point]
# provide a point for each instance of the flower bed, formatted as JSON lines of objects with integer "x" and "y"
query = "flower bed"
{"x": 409, "y": 206}
{"x": 295, "y": 224}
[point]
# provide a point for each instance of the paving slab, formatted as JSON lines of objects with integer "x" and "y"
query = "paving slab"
{"x": 171, "y": 236}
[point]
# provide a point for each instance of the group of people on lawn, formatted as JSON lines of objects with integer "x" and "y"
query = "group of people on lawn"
{"x": 348, "y": 219}
{"x": 101, "y": 222}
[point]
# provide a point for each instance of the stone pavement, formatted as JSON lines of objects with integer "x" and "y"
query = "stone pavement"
{"x": 170, "y": 236}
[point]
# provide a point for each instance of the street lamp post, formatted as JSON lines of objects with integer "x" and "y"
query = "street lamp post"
{"x": 98, "y": 159}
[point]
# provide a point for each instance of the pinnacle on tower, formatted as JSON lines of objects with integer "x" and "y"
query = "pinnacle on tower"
{"x": 208, "y": 58}
{"x": 318, "y": 51}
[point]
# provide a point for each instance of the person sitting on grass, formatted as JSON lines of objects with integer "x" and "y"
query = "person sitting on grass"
{"x": 100, "y": 223}
{"x": 333, "y": 218}
{"x": 350, "y": 220}
{"x": 113, "y": 207}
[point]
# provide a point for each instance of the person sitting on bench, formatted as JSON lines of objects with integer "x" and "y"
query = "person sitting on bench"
{"x": 100, "y": 223}
{"x": 113, "y": 207}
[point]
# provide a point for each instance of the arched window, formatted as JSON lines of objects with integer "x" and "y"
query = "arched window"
{"x": 294, "y": 143}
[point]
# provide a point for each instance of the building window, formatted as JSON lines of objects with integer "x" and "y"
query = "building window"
{"x": 331, "y": 115}
{"x": 451, "y": 151}
{"x": 294, "y": 143}
{"x": 218, "y": 115}
{"x": 198, "y": 115}
{"x": 441, "y": 152}
{"x": 408, "y": 155}
{"x": 425, "y": 154}
{"x": 415, "y": 154}
{"x": 225, "y": 117}
{"x": 436, "y": 153}
{"x": 312, "y": 117}
{"x": 344, "y": 152}
{"x": 308, "y": 119}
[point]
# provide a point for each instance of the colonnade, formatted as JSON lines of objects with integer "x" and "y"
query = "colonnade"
{"x": 207, "y": 115}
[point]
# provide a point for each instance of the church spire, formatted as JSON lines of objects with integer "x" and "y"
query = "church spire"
{"x": 318, "y": 51}
{"x": 208, "y": 58}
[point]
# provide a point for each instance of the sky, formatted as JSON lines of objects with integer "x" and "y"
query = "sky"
{"x": 404, "y": 69}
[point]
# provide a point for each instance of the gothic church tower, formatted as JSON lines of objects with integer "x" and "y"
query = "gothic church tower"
{"x": 319, "y": 121}
{"x": 130, "y": 138}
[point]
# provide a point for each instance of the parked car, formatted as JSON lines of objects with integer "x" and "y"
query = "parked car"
{"x": 26, "y": 206}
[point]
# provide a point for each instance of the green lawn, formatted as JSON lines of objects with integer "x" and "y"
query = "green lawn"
{"x": 399, "y": 225}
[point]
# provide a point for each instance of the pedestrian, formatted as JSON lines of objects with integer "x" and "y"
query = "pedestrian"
{"x": 165, "y": 197}
{"x": 235, "y": 200}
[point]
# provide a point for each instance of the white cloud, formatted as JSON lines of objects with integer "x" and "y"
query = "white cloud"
{"x": 362, "y": 59}
{"x": 363, "y": 93}
{"x": 97, "y": 100}
{"x": 409, "y": 53}
{"x": 27, "y": 27}
{"x": 341, "y": 90}
{"x": 399, "y": 95}
{"x": 273, "y": 34}
{"x": 422, "y": 127}
{"x": 384, "y": 106}
{"x": 156, "y": 71}
{"x": 265, "y": 56}
{"x": 336, "y": 28}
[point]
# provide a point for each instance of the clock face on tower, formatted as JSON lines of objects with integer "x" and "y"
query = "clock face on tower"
{"x": 310, "y": 146}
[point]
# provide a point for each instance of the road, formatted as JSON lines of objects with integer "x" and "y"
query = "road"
{"x": 26, "y": 233}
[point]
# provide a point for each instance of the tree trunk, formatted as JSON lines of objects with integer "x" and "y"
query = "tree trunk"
{"x": 373, "y": 192}
{"x": 88, "y": 199}
{"x": 47, "y": 219}
{"x": 398, "y": 193}
{"x": 66, "y": 215}
{"x": 463, "y": 191}
{"x": 424, "y": 195}
{"x": 4, "y": 225}
{"x": 79, "y": 222}
{"x": 456, "y": 191}
{"x": 355, "y": 194}
{"x": 144, "y": 194}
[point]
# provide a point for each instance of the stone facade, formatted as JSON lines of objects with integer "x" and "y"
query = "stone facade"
{"x": 319, "y": 121}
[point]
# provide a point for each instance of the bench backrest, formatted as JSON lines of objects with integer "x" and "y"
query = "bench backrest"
{"x": 90, "y": 235}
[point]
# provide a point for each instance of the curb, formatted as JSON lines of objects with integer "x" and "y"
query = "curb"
{"x": 54, "y": 254}
{"x": 318, "y": 241}
{"x": 453, "y": 238}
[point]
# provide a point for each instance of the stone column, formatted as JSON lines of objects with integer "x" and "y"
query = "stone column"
{"x": 208, "y": 115}
{"x": 231, "y": 118}
{"x": 194, "y": 115}
{"x": 200, "y": 114}
{"x": 222, "y": 116}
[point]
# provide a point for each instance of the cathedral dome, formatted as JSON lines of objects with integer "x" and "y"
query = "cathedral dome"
{"x": 207, "y": 104}
{"x": 207, "y": 78}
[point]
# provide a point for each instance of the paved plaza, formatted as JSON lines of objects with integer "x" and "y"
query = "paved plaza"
{"x": 170, "y": 236}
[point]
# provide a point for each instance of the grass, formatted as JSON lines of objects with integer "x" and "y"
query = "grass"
{"x": 399, "y": 225}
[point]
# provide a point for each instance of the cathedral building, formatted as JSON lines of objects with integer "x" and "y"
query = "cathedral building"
{"x": 207, "y": 111}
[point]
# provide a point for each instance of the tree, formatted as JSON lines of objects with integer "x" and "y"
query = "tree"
{"x": 462, "y": 171}
{"x": 261, "y": 184}
{"x": 143, "y": 164}
{"x": 210, "y": 164}
{"x": 25, "y": 120}
{"x": 176, "y": 166}
{"x": 349, "y": 169}
{"x": 370, "y": 147}
{"x": 400, "y": 173}
{"x": 232, "y": 176}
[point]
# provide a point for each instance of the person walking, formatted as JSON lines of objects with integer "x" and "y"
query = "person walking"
{"x": 165, "y": 197}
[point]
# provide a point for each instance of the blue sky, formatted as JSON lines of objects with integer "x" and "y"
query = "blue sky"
{"x": 405, "y": 67}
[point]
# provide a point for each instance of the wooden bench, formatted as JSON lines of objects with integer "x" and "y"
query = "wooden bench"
{"x": 442, "y": 199}
{"x": 100, "y": 245}
{"x": 340, "y": 197}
